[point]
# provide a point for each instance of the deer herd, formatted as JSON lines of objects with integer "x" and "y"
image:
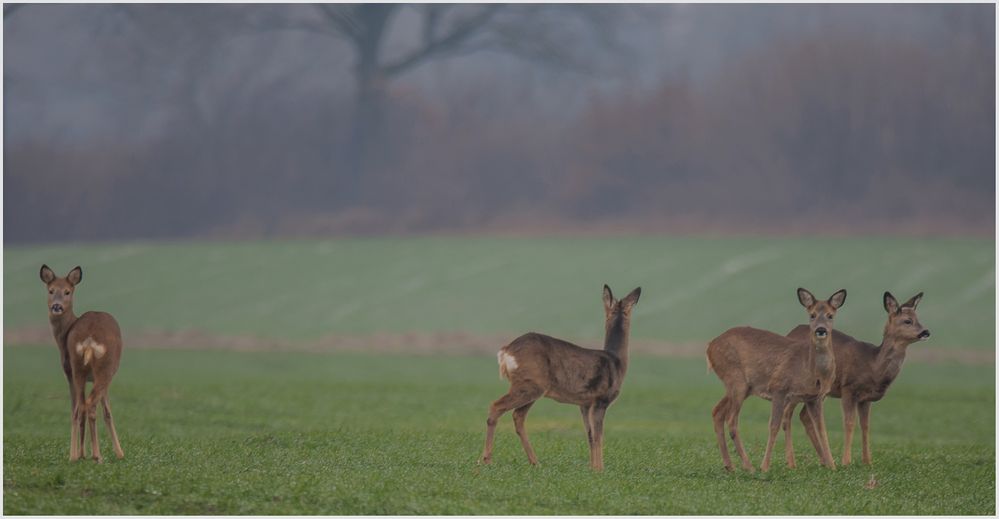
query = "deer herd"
{"x": 803, "y": 367}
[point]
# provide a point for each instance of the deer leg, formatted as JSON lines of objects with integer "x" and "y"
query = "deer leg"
{"x": 77, "y": 430}
{"x": 495, "y": 411}
{"x": 519, "y": 415}
{"x": 109, "y": 421}
{"x": 776, "y": 415}
{"x": 81, "y": 433}
{"x": 96, "y": 395}
{"x": 512, "y": 400}
{"x": 825, "y": 432}
{"x": 806, "y": 420}
{"x": 95, "y": 447}
{"x": 597, "y": 424}
{"x": 72, "y": 404}
{"x": 864, "y": 410}
{"x": 849, "y": 416}
{"x": 788, "y": 445}
{"x": 585, "y": 411}
{"x": 72, "y": 418}
{"x": 818, "y": 418}
{"x": 80, "y": 417}
{"x": 72, "y": 395}
{"x": 718, "y": 416}
{"x": 733, "y": 425}
{"x": 74, "y": 428}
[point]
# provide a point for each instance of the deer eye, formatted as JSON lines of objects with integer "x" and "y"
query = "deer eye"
{"x": 907, "y": 321}
{"x": 65, "y": 292}
{"x": 828, "y": 316}
{"x": 51, "y": 290}
{"x": 813, "y": 316}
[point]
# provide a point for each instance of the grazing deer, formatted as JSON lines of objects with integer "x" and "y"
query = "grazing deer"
{"x": 538, "y": 365}
{"x": 864, "y": 371}
{"x": 90, "y": 347}
{"x": 785, "y": 371}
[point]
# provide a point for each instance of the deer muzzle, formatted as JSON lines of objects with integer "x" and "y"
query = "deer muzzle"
{"x": 56, "y": 308}
{"x": 821, "y": 332}
{"x": 925, "y": 334}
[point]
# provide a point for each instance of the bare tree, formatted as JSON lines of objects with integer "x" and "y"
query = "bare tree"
{"x": 562, "y": 36}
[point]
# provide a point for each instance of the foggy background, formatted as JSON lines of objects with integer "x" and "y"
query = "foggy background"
{"x": 242, "y": 121}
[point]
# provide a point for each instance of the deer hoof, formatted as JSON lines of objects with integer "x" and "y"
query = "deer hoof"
{"x": 485, "y": 461}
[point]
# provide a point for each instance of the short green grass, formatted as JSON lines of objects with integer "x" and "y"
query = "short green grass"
{"x": 274, "y": 433}
{"x": 281, "y": 433}
{"x": 693, "y": 287}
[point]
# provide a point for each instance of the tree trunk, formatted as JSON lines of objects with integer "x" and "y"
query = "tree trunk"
{"x": 366, "y": 128}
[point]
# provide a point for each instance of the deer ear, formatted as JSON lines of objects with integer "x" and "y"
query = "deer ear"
{"x": 836, "y": 300}
{"x": 608, "y": 298}
{"x": 891, "y": 304}
{"x": 913, "y": 302}
{"x": 46, "y": 274}
{"x": 75, "y": 276}
{"x": 632, "y": 298}
{"x": 805, "y": 298}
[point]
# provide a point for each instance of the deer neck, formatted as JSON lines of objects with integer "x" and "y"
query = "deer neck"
{"x": 61, "y": 325}
{"x": 891, "y": 354}
{"x": 820, "y": 357}
{"x": 616, "y": 339}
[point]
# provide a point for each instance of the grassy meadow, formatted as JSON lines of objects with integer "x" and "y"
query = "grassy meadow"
{"x": 276, "y": 433}
{"x": 281, "y": 432}
{"x": 693, "y": 288}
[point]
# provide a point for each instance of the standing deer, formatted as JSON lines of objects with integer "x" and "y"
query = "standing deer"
{"x": 90, "y": 348}
{"x": 864, "y": 371}
{"x": 538, "y": 365}
{"x": 785, "y": 371}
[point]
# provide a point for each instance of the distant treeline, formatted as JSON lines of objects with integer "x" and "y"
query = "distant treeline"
{"x": 831, "y": 131}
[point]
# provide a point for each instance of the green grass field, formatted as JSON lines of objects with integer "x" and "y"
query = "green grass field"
{"x": 277, "y": 433}
{"x": 215, "y": 432}
{"x": 693, "y": 288}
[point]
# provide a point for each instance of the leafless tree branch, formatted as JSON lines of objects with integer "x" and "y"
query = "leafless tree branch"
{"x": 342, "y": 18}
{"x": 461, "y": 31}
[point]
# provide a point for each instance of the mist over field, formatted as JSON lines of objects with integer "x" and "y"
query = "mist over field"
{"x": 245, "y": 121}
{"x": 316, "y": 224}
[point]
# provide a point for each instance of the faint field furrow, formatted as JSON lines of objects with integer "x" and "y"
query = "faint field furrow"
{"x": 428, "y": 343}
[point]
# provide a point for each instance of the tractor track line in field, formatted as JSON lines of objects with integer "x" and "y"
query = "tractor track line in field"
{"x": 425, "y": 343}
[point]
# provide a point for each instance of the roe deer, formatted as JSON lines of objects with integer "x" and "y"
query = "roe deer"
{"x": 864, "y": 371}
{"x": 750, "y": 361}
{"x": 538, "y": 365}
{"x": 90, "y": 347}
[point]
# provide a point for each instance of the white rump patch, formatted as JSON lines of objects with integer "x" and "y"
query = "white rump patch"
{"x": 507, "y": 360}
{"x": 97, "y": 348}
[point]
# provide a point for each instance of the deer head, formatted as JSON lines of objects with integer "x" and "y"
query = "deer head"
{"x": 903, "y": 324}
{"x": 821, "y": 313}
{"x": 620, "y": 308}
{"x": 61, "y": 290}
